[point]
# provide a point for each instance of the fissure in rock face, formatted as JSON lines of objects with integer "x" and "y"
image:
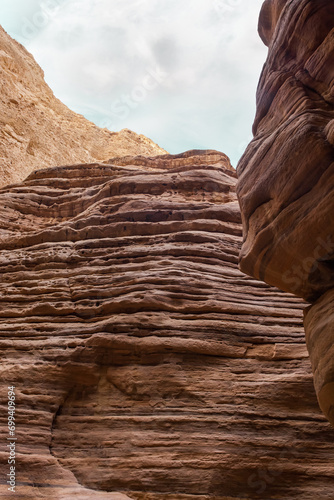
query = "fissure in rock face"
{"x": 286, "y": 176}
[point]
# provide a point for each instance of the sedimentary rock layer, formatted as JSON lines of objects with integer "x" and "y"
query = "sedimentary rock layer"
{"x": 144, "y": 361}
{"x": 38, "y": 131}
{"x": 286, "y": 175}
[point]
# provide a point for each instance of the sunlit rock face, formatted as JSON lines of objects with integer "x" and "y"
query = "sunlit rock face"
{"x": 146, "y": 364}
{"x": 37, "y": 130}
{"x": 286, "y": 176}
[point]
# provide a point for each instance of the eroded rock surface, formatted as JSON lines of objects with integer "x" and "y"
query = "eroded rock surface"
{"x": 38, "y": 131}
{"x": 319, "y": 328}
{"x": 144, "y": 361}
{"x": 286, "y": 176}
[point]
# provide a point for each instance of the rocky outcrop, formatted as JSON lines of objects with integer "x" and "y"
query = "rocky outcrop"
{"x": 144, "y": 362}
{"x": 286, "y": 176}
{"x": 319, "y": 320}
{"x": 38, "y": 131}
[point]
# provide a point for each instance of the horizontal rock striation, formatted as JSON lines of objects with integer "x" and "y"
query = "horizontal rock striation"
{"x": 286, "y": 176}
{"x": 39, "y": 131}
{"x": 144, "y": 361}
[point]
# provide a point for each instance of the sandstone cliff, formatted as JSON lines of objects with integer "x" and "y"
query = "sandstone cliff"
{"x": 38, "y": 131}
{"x": 286, "y": 176}
{"x": 144, "y": 361}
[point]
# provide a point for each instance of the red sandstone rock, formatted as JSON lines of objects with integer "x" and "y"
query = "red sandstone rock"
{"x": 144, "y": 361}
{"x": 286, "y": 175}
{"x": 318, "y": 322}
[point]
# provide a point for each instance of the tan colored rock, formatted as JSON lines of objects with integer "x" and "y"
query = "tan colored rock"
{"x": 144, "y": 361}
{"x": 38, "y": 131}
{"x": 286, "y": 176}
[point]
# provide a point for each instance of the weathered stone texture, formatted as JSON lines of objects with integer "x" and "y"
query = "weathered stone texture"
{"x": 319, "y": 328}
{"x": 286, "y": 176}
{"x": 144, "y": 361}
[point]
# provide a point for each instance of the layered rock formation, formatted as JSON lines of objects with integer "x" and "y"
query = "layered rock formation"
{"x": 144, "y": 361}
{"x": 38, "y": 131}
{"x": 286, "y": 176}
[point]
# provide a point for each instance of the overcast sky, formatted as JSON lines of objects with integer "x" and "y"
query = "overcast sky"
{"x": 183, "y": 73}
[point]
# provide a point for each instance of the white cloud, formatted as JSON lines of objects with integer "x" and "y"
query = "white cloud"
{"x": 99, "y": 55}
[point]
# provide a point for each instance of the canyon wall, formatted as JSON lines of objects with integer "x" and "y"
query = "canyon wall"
{"x": 146, "y": 365}
{"x": 38, "y": 131}
{"x": 286, "y": 176}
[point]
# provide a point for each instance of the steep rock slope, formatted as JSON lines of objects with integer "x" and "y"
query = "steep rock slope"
{"x": 38, "y": 131}
{"x": 144, "y": 361}
{"x": 286, "y": 176}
